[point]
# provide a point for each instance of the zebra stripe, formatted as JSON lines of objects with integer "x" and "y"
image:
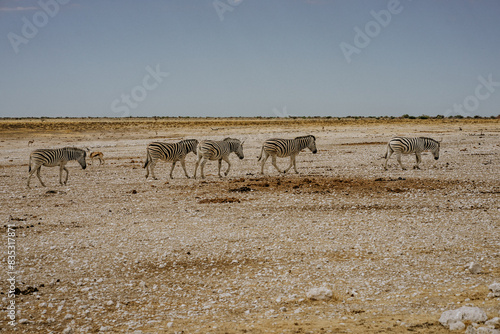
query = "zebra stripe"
{"x": 405, "y": 145}
{"x": 170, "y": 152}
{"x": 55, "y": 157}
{"x": 286, "y": 148}
{"x": 218, "y": 150}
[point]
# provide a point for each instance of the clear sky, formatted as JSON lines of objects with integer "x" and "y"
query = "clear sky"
{"x": 268, "y": 58}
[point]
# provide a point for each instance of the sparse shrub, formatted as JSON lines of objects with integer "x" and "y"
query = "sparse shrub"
{"x": 439, "y": 116}
{"x": 405, "y": 116}
{"x": 423, "y": 117}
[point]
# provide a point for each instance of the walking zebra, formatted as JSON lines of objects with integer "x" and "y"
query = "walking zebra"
{"x": 55, "y": 157}
{"x": 169, "y": 152}
{"x": 286, "y": 147}
{"x": 404, "y": 145}
{"x": 218, "y": 150}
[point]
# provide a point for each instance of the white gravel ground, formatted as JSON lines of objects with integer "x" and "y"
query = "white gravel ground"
{"x": 112, "y": 252}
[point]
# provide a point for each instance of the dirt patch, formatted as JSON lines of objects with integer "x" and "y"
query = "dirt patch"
{"x": 324, "y": 184}
{"x": 220, "y": 200}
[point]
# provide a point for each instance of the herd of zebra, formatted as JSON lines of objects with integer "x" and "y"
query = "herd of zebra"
{"x": 220, "y": 150}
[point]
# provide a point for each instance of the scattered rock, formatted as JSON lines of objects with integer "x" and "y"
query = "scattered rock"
{"x": 486, "y": 330}
{"x": 495, "y": 290}
{"x": 453, "y": 318}
{"x": 456, "y": 326}
{"x": 493, "y": 322}
{"x": 475, "y": 268}
{"x": 67, "y": 330}
{"x": 319, "y": 293}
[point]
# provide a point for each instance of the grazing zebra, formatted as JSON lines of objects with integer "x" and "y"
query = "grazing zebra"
{"x": 170, "y": 152}
{"x": 286, "y": 147}
{"x": 404, "y": 145}
{"x": 55, "y": 157}
{"x": 97, "y": 155}
{"x": 218, "y": 150}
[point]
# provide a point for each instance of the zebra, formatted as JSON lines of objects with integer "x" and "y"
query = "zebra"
{"x": 171, "y": 152}
{"x": 55, "y": 157}
{"x": 218, "y": 150}
{"x": 286, "y": 147}
{"x": 405, "y": 145}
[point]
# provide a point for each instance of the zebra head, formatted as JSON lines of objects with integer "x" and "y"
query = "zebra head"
{"x": 312, "y": 144}
{"x": 191, "y": 145}
{"x": 435, "y": 150}
{"x": 81, "y": 156}
{"x": 236, "y": 146}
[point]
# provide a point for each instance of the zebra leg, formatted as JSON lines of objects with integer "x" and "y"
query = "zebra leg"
{"x": 419, "y": 159}
{"x": 31, "y": 174}
{"x": 387, "y": 156}
{"x": 152, "y": 168}
{"x": 220, "y": 165}
{"x": 61, "y": 167}
{"x": 67, "y": 174}
{"x": 203, "y": 167}
{"x": 292, "y": 158}
{"x": 399, "y": 160}
{"x": 196, "y": 166}
{"x": 226, "y": 159}
{"x": 295, "y": 164}
{"x": 172, "y": 169}
{"x": 183, "y": 164}
{"x": 38, "y": 175}
{"x": 273, "y": 157}
{"x": 264, "y": 159}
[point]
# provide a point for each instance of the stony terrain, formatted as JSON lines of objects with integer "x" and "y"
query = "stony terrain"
{"x": 112, "y": 252}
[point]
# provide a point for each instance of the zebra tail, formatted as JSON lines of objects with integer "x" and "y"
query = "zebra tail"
{"x": 386, "y": 152}
{"x": 148, "y": 160}
{"x": 261, "y": 151}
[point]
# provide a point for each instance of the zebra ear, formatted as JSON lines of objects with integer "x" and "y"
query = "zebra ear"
{"x": 242, "y": 142}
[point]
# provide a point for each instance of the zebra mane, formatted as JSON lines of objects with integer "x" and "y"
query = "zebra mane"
{"x": 431, "y": 139}
{"x": 75, "y": 148}
{"x": 301, "y": 137}
{"x": 231, "y": 139}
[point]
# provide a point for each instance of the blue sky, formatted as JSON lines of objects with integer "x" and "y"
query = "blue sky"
{"x": 249, "y": 58}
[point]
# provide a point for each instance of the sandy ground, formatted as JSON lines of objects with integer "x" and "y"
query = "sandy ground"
{"x": 113, "y": 252}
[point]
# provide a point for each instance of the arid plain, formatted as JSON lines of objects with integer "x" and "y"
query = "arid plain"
{"x": 114, "y": 252}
